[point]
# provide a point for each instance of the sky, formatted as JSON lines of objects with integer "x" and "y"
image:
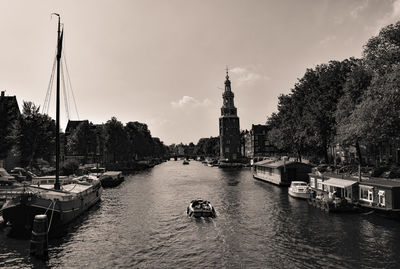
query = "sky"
{"x": 162, "y": 62}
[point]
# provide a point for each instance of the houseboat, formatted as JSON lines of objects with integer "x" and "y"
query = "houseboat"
{"x": 281, "y": 172}
{"x": 381, "y": 195}
{"x": 333, "y": 192}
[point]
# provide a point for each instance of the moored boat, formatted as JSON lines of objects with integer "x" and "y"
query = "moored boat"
{"x": 185, "y": 162}
{"x": 97, "y": 171}
{"x": 200, "y": 208}
{"x": 61, "y": 206}
{"x": 111, "y": 179}
{"x": 299, "y": 189}
{"x": 281, "y": 172}
{"x": 61, "y": 200}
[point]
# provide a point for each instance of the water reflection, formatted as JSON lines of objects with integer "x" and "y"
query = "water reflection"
{"x": 143, "y": 224}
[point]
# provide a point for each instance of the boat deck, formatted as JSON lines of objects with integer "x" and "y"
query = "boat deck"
{"x": 112, "y": 173}
{"x": 66, "y": 192}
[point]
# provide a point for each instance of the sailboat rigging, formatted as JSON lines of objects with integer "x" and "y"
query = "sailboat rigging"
{"x": 65, "y": 80}
{"x": 62, "y": 199}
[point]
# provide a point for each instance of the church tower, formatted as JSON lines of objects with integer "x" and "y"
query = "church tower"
{"x": 229, "y": 131}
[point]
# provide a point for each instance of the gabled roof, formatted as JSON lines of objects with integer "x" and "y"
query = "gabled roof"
{"x": 9, "y": 103}
{"x": 73, "y": 124}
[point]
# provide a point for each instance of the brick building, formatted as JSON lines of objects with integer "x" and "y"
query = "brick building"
{"x": 9, "y": 115}
{"x": 255, "y": 142}
{"x": 229, "y": 130}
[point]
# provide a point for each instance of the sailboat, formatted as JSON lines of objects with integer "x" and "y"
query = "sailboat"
{"x": 61, "y": 200}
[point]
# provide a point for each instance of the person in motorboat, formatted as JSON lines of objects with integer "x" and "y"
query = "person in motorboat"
{"x": 200, "y": 208}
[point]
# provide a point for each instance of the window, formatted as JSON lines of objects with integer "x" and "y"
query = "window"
{"x": 366, "y": 193}
{"x": 319, "y": 184}
{"x": 226, "y": 150}
{"x": 347, "y": 192}
{"x": 312, "y": 182}
{"x": 381, "y": 198}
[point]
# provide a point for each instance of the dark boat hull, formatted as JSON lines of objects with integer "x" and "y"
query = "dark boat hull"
{"x": 111, "y": 182}
{"x": 60, "y": 213}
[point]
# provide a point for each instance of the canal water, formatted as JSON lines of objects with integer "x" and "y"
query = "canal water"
{"x": 143, "y": 224}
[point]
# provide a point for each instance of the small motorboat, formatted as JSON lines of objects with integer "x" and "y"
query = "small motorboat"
{"x": 185, "y": 162}
{"x": 111, "y": 179}
{"x": 200, "y": 208}
{"x": 299, "y": 189}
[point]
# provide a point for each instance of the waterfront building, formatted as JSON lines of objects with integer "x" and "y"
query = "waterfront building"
{"x": 229, "y": 130}
{"x": 386, "y": 152}
{"x": 9, "y": 115}
{"x": 256, "y": 143}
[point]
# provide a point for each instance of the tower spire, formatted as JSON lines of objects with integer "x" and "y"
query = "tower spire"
{"x": 229, "y": 129}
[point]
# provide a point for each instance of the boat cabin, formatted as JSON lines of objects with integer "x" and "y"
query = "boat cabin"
{"x": 380, "y": 193}
{"x": 334, "y": 186}
{"x": 281, "y": 172}
{"x": 50, "y": 180}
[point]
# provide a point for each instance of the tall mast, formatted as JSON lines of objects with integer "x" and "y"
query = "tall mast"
{"x": 59, "y": 48}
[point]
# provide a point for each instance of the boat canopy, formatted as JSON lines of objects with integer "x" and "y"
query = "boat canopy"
{"x": 339, "y": 183}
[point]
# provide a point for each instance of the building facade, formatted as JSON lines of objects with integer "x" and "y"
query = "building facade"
{"x": 229, "y": 130}
{"x": 256, "y": 142}
{"x": 9, "y": 115}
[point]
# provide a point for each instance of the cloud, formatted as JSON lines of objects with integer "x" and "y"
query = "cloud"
{"x": 355, "y": 12}
{"x": 188, "y": 101}
{"x": 324, "y": 42}
{"x": 391, "y": 17}
{"x": 246, "y": 76}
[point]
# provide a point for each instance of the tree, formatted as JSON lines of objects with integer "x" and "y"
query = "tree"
{"x": 140, "y": 139}
{"x": 35, "y": 136}
{"x": 358, "y": 81}
{"x": 377, "y": 117}
{"x": 116, "y": 141}
{"x": 382, "y": 52}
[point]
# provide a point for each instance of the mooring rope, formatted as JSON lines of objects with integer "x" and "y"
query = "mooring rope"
{"x": 51, "y": 218}
{"x": 48, "y": 207}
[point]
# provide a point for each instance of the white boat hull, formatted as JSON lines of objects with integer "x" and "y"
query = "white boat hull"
{"x": 301, "y": 195}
